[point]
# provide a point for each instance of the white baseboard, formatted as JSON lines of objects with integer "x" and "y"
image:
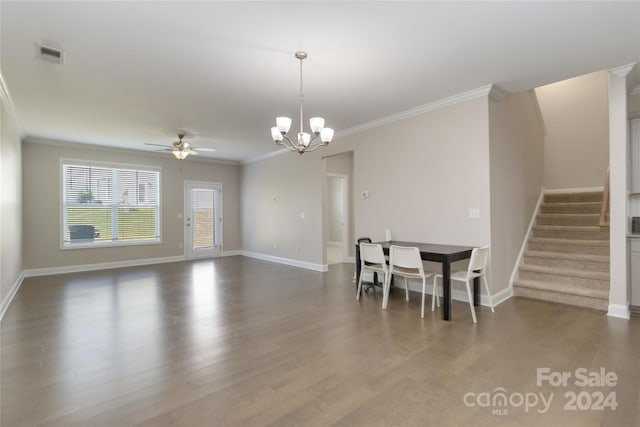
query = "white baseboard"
{"x": 231, "y": 253}
{"x": 6, "y": 301}
{"x": 333, "y": 243}
{"x": 619, "y": 310}
{"x": 287, "y": 261}
{"x": 99, "y": 266}
{"x": 351, "y": 259}
{"x": 574, "y": 190}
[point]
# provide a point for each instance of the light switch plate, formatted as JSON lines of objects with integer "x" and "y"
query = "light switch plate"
{"x": 474, "y": 213}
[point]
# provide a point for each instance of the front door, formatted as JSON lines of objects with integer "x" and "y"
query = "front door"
{"x": 203, "y": 219}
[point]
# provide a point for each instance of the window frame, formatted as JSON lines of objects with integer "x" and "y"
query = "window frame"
{"x": 111, "y": 165}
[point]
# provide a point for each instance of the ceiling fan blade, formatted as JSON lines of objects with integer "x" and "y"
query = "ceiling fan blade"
{"x": 158, "y": 145}
{"x": 206, "y": 149}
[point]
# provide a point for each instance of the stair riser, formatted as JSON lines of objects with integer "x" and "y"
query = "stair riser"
{"x": 571, "y": 209}
{"x": 572, "y": 234}
{"x": 590, "y": 221}
{"x": 582, "y": 282}
{"x": 568, "y": 248}
{"x": 569, "y": 264}
{"x": 573, "y": 197}
{"x": 593, "y": 303}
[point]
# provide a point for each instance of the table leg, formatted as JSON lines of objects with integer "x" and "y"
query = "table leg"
{"x": 446, "y": 290}
{"x": 476, "y": 291}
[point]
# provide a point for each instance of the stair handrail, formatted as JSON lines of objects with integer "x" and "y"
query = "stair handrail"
{"x": 604, "y": 219}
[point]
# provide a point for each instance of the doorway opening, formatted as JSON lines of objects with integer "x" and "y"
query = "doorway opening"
{"x": 203, "y": 219}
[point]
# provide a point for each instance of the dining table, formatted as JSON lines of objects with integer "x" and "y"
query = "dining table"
{"x": 443, "y": 254}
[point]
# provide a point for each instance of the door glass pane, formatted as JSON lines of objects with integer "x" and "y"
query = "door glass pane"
{"x": 203, "y": 227}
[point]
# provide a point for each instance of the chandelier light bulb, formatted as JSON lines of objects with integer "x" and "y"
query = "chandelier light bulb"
{"x": 316, "y": 124}
{"x": 283, "y": 124}
{"x": 304, "y": 139}
{"x": 326, "y": 135}
{"x": 276, "y": 134}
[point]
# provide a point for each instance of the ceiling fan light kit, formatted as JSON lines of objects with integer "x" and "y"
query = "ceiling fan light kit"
{"x": 181, "y": 149}
{"x": 305, "y": 142}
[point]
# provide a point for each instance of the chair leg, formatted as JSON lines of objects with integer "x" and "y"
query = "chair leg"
{"x": 473, "y": 310}
{"x": 386, "y": 284}
{"x": 406, "y": 289}
{"x": 424, "y": 291}
{"x": 359, "y": 291}
{"x": 486, "y": 286}
{"x": 434, "y": 296}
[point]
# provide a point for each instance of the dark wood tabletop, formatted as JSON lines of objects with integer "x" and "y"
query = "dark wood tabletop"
{"x": 433, "y": 251}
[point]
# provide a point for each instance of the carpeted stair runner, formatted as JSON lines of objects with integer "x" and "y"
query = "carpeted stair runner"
{"x": 567, "y": 256}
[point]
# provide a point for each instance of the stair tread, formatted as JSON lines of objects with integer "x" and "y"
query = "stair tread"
{"x": 569, "y": 241}
{"x": 570, "y": 203}
{"x": 568, "y": 256}
{"x": 569, "y": 215}
{"x": 565, "y": 272}
{"x": 563, "y": 288}
{"x": 568, "y": 227}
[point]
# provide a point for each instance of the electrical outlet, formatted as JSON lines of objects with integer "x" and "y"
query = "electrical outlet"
{"x": 303, "y": 215}
{"x": 275, "y": 246}
{"x": 474, "y": 213}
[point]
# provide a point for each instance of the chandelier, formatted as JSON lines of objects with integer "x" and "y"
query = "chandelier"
{"x": 305, "y": 141}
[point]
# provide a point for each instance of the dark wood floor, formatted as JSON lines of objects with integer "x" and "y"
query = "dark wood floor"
{"x": 242, "y": 342}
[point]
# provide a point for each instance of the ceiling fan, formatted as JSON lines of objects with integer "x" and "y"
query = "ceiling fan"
{"x": 181, "y": 149}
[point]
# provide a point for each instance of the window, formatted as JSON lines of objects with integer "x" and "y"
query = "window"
{"x": 103, "y": 205}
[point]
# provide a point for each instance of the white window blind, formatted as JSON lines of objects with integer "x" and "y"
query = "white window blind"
{"x": 109, "y": 205}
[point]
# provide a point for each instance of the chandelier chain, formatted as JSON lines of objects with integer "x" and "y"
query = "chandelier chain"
{"x": 301, "y": 98}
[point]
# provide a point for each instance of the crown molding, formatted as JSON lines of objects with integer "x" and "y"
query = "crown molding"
{"x": 436, "y": 105}
{"x": 497, "y": 94}
{"x": 8, "y": 103}
{"x": 96, "y": 147}
{"x": 622, "y": 70}
{"x": 265, "y": 156}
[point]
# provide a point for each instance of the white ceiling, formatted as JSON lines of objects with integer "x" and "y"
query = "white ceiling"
{"x": 136, "y": 72}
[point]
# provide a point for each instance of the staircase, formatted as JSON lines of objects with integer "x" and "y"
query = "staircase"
{"x": 567, "y": 256}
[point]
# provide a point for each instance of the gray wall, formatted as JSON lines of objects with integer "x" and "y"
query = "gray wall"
{"x": 11, "y": 209}
{"x": 576, "y": 115}
{"x": 423, "y": 174}
{"x": 41, "y": 181}
{"x": 517, "y": 165}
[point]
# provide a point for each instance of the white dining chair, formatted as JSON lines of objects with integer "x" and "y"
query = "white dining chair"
{"x": 405, "y": 261}
{"x": 477, "y": 268}
{"x": 372, "y": 259}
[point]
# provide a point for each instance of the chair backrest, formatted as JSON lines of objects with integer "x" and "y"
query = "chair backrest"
{"x": 479, "y": 259}
{"x": 405, "y": 257}
{"x": 364, "y": 239}
{"x": 372, "y": 253}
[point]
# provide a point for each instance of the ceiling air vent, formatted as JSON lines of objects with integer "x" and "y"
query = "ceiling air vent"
{"x": 50, "y": 54}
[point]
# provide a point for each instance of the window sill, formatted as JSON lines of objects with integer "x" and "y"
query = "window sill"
{"x": 96, "y": 245}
